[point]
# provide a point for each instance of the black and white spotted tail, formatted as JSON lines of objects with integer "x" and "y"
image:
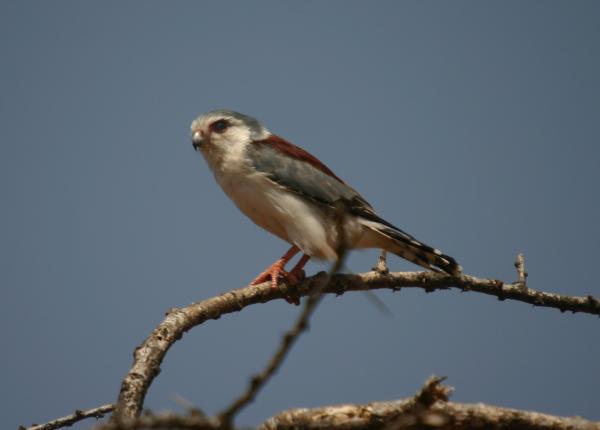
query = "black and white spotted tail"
{"x": 398, "y": 242}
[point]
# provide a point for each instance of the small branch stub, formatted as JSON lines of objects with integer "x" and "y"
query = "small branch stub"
{"x": 522, "y": 274}
{"x": 381, "y": 267}
{"x": 433, "y": 391}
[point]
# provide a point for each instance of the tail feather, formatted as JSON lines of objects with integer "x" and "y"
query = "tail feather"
{"x": 404, "y": 245}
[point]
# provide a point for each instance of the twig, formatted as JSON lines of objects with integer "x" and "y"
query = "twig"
{"x": 259, "y": 380}
{"x": 149, "y": 355}
{"x": 76, "y": 416}
{"x": 429, "y": 408}
{"x": 520, "y": 265}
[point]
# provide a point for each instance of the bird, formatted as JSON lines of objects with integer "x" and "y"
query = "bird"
{"x": 292, "y": 194}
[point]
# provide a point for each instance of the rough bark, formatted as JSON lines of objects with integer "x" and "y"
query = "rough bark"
{"x": 428, "y": 409}
{"x": 148, "y": 356}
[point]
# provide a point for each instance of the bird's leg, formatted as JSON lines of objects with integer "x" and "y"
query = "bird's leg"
{"x": 297, "y": 274}
{"x": 276, "y": 269}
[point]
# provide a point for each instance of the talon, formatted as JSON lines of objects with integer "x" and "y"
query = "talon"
{"x": 277, "y": 271}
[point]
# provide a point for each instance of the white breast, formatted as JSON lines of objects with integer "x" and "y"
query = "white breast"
{"x": 285, "y": 214}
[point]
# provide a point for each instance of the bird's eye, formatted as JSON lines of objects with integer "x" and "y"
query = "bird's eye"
{"x": 219, "y": 126}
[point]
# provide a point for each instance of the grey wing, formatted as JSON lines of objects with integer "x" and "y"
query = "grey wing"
{"x": 303, "y": 178}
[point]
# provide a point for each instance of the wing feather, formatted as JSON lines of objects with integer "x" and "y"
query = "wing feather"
{"x": 300, "y": 172}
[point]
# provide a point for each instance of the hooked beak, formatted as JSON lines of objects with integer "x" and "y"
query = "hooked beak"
{"x": 197, "y": 140}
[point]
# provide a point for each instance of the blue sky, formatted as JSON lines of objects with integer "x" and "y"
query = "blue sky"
{"x": 473, "y": 126}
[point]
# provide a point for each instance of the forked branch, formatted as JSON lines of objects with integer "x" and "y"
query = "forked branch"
{"x": 149, "y": 355}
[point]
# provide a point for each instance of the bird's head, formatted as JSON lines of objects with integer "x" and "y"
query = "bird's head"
{"x": 222, "y": 132}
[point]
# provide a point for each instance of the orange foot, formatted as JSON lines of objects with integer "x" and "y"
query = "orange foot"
{"x": 277, "y": 271}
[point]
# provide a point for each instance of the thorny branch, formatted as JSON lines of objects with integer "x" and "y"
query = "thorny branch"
{"x": 149, "y": 355}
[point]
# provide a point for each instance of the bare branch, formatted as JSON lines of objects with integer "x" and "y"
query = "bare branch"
{"x": 429, "y": 408}
{"x": 148, "y": 356}
{"x": 76, "y": 416}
